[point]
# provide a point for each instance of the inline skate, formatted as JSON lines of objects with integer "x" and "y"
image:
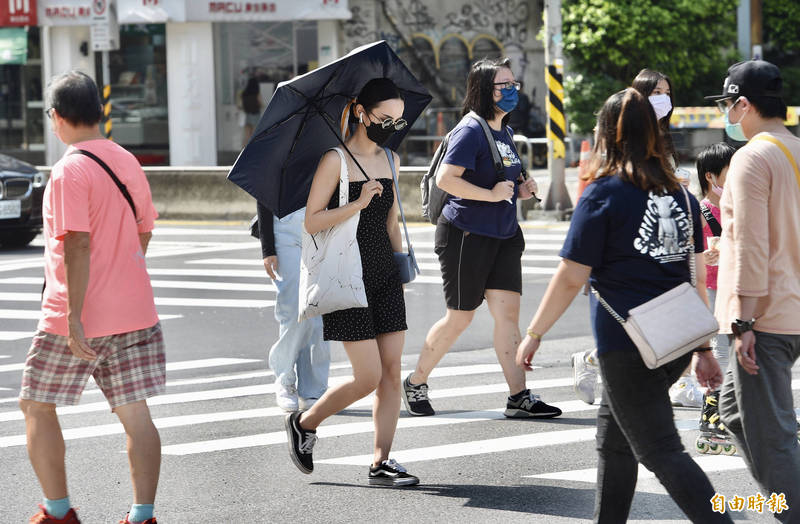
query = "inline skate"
{"x": 714, "y": 438}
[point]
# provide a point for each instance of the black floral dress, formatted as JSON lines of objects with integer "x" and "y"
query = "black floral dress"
{"x": 386, "y": 310}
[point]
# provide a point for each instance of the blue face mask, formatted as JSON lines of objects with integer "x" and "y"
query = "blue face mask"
{"x": 734, "y": 131}
{"x": 509, "y": 100}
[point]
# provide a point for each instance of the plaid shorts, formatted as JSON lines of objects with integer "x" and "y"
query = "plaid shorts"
{"x": 129, "y": 367}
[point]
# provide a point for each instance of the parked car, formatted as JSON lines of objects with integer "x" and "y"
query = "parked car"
{"x": 21, "y": 191}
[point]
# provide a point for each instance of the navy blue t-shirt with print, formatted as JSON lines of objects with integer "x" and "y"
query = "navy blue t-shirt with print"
{"x": 468, "y": 148}
{"x": 636, "y": 244}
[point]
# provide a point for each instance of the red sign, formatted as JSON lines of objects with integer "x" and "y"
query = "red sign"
{"x": 17, "y": 12}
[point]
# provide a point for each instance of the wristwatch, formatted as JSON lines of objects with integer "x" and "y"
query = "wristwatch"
{"x": 739, "y": 326}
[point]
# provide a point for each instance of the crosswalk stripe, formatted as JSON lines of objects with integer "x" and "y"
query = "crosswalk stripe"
{"x": 421, "y": 255}
{"x": 264, "y": 389}
{"x": 5, "y": 356}
{"x": 169, "y": 284}
{"x": 179, "y": 231}
{"x": 708, "y": 463}
{"x": 338, "y": 430}
{"x": 15, "y": 335}
{"x": 171, "y": 366}
{"x": 36, "y": 314}
{"x": 434, "y": 266}
{"x": 164, "y": 301}
{"x": 538, "y": 246}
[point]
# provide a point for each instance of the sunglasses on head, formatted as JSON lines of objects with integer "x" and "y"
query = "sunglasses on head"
{"x": 398, "y": 124}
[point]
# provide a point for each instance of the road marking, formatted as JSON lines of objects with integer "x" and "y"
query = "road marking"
{"x": 36, "y": 314}
{"x": 708, "y": 463}
{"x": 533, "y": 247}
{"x": 171, "y": 366}
{"x": 337, "y": 430}
{"x": 5, "y": 356}
{"x": 177, "y": 231}
{"x": 434, "y": 266}
{"x": 15, "y": 335}
{"x": 170, "y": 284}
{"x": 232, "y": 273}
{"x": 265, "y": 389}
{"x": 164, "y": 301}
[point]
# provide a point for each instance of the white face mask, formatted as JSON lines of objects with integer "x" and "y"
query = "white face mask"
{"x": 661, "y": 105}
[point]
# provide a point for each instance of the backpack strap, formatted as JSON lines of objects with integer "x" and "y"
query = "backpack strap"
{"x": 117, "y": 182}
{"x": 713, "y": 223}
{"x": 496, "y": 160}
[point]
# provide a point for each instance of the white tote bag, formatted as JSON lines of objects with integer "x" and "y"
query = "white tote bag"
{"x": 331, "y": 277}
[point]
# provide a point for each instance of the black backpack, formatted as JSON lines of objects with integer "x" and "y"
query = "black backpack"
{"x": 433, "y": 197}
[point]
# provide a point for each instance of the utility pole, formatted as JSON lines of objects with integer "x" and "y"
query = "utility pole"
{"x": 756, "y": 29}
{"x": 557, "y": 198}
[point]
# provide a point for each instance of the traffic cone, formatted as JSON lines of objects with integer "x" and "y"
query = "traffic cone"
{"x": 583, "y": 167}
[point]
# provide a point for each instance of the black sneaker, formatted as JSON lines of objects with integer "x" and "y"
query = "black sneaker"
{"x": 301, "y": 443}
{"x": 390, "y": 473}
{"x": 416, "y": 400}
{"x": 528, "y": 405}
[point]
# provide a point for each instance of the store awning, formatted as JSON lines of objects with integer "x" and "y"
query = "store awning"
{"x": 265, "y": 10}
{"x": 151, "y": 11}
{"x": 13, "y": 45}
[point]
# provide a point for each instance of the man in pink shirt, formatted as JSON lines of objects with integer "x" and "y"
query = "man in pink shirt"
{"x": 758, "y": 289}
{"x": 98, "y": 315}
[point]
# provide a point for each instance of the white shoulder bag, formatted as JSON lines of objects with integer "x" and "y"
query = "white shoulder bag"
{"x": 672, "y": 324}
{"x": 331, "y": 277}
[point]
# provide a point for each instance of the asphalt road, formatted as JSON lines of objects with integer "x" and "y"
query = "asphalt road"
{"x": 224, "y": 448}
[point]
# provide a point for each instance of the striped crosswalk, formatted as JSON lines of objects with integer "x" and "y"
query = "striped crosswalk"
{"x": 468, "y": 397}
{"x": 187, "y": 276}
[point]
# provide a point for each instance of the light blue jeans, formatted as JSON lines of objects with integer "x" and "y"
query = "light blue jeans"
{"x": 299, "y": 344}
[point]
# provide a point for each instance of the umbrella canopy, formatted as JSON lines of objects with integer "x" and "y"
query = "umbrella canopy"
{"x": 302, "y": 121}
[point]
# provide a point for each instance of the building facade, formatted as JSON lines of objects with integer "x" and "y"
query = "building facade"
{"x": 182, "y": 66}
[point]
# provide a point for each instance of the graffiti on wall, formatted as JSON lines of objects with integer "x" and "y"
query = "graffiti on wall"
{"x": 449, "y": 38}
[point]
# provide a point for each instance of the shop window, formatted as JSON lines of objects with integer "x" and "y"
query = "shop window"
{"x": 251, "y": 58}
{"x": 21, "y": 106}
{"x": 138, "y": 77}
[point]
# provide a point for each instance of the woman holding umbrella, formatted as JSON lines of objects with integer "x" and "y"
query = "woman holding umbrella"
{"x": 373, "y": 336}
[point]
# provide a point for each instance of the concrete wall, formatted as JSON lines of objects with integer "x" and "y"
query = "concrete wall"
{"x": 204, "y": 193}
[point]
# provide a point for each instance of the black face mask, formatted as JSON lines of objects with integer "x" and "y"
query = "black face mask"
{"x": 378, "y": 134}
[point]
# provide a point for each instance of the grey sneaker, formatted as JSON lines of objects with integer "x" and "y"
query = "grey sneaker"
{"x": 528, "y": 405}
{"x": 584, "y": 376}
{"x": 415, "y": 397}
{"x": 389, "y": 473}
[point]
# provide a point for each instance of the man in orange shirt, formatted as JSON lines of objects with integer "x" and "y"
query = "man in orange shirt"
{"x": 758, "y": 297}
{"x": 98, "y": 314}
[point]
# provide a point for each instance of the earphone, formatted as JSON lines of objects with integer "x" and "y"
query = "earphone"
{"x": 361, "y": 118}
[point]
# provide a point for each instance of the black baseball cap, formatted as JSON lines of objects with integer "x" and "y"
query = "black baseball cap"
{"x": 751, "y": 78}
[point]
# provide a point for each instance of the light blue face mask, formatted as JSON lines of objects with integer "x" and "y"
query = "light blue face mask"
{"x": 509, "y": 100}
{"x": 734, "y": 131}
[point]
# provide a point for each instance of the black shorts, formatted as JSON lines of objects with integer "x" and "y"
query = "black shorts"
{"x": 472, "y": 263}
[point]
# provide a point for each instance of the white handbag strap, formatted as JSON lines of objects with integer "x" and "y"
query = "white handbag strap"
{"x": 692, "y": 268}
{"x": 344, "y": 182}
{"x": 400, "y": 205}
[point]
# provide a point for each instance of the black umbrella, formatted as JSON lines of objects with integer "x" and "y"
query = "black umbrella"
{"x": 303, "y": 119}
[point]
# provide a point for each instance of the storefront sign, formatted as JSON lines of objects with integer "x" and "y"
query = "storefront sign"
{"x": 64, "y": 12}
{"x": 13, "y": 45}
{"x": 151, "y": 11}
{"x": 17, "y": 13}
{"x": 104, "y": 28}
{"x": 265, "y": 10}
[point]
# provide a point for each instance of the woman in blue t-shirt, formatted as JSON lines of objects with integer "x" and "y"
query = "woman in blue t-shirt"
{"x": 630, "y": 237}
{"x": 478, "y": 239}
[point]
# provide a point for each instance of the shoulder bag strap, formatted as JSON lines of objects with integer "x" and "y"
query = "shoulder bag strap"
{"x": 712, "y": 222}
{"x": 496, "y": 160}
{"x": 786, "y": 152}
{"x": 400, "y": 205}
{"x": 692, "y": 268}
{"x": 119, "y": 184}
{"x": 344, "y": 181}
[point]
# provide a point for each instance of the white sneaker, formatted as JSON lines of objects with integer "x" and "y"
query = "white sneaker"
{"x": 584, "y": 376}
{"x": 306, "y": 403}
{"x": 286, "y": 397}
{"x": 686, "y": 393}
